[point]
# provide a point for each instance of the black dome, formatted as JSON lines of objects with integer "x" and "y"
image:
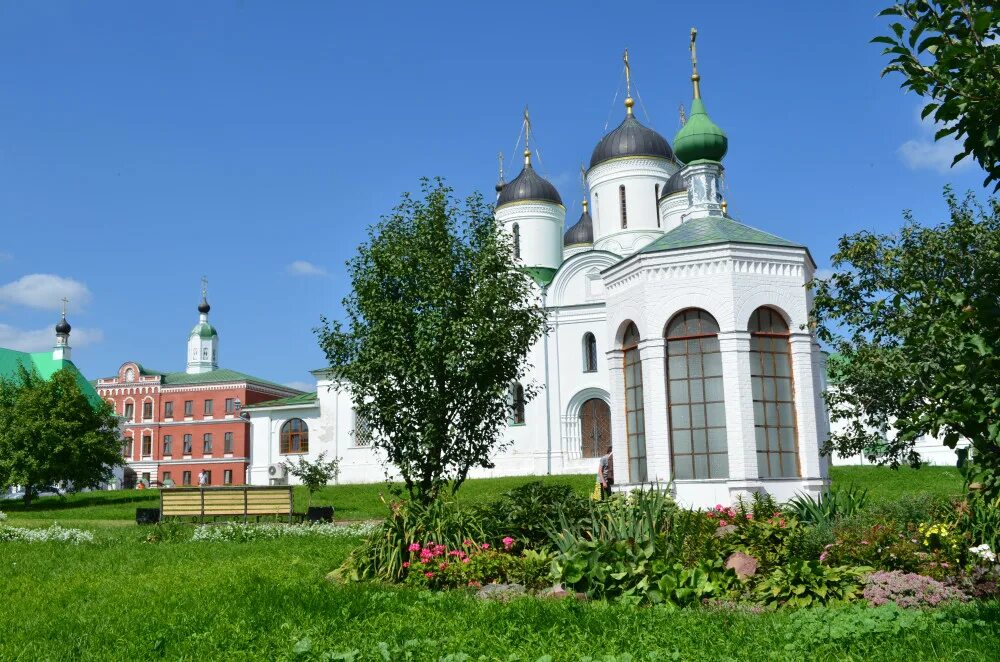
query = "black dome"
{"x": 203, "y": 307}
{"x": 631, "y": 138}
{"x": 675, "y": 184}
{"x": 528, "y": 186}
{"x": 63, "y": 326}
{"x": 582, "y": 232}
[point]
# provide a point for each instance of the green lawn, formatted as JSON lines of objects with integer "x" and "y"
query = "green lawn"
{"x": 352, "y": 502}
{"x": 124, "y": 598}
{"x": 362, "y": 502}
{"x": 121, "y": 598}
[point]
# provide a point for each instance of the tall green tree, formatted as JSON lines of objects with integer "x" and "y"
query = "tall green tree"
{"x": 50, "y": 433}
{"x": 439, "y": 324}
{"x": 948, "y": 51}
{"x": 915, "y": 319}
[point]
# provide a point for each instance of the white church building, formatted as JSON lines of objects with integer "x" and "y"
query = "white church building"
{"x": 678, "y": 336}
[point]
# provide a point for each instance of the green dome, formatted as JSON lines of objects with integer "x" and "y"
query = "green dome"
{"x": 204, "y": 330}
{"x": 700, "y": 138}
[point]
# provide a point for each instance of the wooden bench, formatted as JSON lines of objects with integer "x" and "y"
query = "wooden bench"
{"x": 245, "y": 501}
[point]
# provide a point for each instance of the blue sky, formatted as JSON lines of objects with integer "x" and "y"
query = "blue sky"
{"x": 143, "y": 145}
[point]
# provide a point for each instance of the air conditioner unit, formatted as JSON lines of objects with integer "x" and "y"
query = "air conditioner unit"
{"x": 277, "y": 471}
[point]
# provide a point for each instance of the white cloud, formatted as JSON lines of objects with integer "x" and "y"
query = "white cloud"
{"x": 4, "y": 257}
{"x": 45, "y": 292}
{"x": 303, "y": 268}
{"x": 39, "y": 340}
{"x": 302, "y": 386}
{"x": 925, "y": 153}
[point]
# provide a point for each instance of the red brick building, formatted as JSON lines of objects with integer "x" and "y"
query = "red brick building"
{"x": 178, "y": 424}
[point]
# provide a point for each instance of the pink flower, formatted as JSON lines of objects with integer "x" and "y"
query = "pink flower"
{"x": 718, "y": 507}
{"x": 414, "y": 547}
{"x": 864, "y": 542}
{"x": 465, "y": 559}
{"x": 428, "y": 574}
{"x": 508, "y": 542}
{"x": 749, "y": 516}
{"x": 468, "y": 543}
{"x": 442, "y": 566}
{"x": 822, "y": 557}
{"x": 406, "y": 564}
{"x": 723, "y": 522}
{"x": 485, "y": 545}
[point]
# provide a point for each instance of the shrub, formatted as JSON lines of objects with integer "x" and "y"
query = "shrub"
{"x": 809, "y": 583}
{"x": 979, "y": 520}
{"x": 828, "y": 508}
{"x": 811, "y": 630}
{"x": 530, "y": 512}
{"x": 437, "y": 567}
{"x": 907, "y": 589}
{"x": 705, "y": 582}
{"x": 888, "y": 546}
{"x": 760, "y": 533}
{"x": 54, "y": 533}
{"x": 382, "y": 554}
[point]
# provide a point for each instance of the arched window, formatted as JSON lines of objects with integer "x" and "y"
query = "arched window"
{"x": 656, "y": 203}
{"x": 694, "y": 391}
{"x": 773, "y": 395}
{"x": 517, "y": 241}
{"x": 635, "y": 422}
{"x": 595, "y": 427}
{"x": 621, "y": 199}
{"x": 516, "y": 404}
{"x": 589, "y": 353}
{"x": 294, "y": 437}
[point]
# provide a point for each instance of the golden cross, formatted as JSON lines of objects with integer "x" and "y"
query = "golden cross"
{"x": 500, "y": 159}
{"x": 628, "y": 75}
{"x": 695, "y": 78}
{"x": 204, "y": 286}
{"x": 65, "y": 302}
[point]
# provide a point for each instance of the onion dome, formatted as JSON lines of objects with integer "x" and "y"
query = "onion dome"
{"x": 675, "y": 184}
{"x": 529, "y": 185}
{"x": 63, "y": 328}
{"x": 203, "y": 307}
{"x": 631, "y": 138}
{"x": 582, "y": 232}
{"x": 700, "y": 138}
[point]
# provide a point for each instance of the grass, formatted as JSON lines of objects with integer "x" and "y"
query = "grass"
{"x": 352, "y": 502}
{"x": 362, "y": 502}
{"x": 123, "y": 598}
{"x": 889, "y": 484}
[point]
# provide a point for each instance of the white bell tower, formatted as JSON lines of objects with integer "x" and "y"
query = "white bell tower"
{"x": 203, "y": 343}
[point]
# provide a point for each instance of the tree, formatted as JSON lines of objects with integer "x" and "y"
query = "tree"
{"x": 314, "y": 475}
{"x": 949, "y": 52}
{"x": 438, "y": 326}
{"x": 51, "y": 433}
{"x": 915, "y": 319}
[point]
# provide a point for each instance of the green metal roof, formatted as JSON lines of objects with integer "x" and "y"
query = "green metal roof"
{"x": 204, "y": 330}
{"x": 710, "y": 230}
{"x": 211, "y": 377}
{"x": 542, "y": 275}
{"x": 45, "y": 366}
{"x": 304, "y": 399}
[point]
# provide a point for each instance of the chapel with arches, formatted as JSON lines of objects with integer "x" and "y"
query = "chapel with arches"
{"x": 677, "y": 334}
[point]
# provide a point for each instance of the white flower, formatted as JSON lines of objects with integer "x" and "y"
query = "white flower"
{"x": 236, "y": 532}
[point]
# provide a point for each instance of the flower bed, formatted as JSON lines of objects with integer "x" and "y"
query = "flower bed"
{"x": 54, "y": 533}
{"x": 643, "y": 548}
